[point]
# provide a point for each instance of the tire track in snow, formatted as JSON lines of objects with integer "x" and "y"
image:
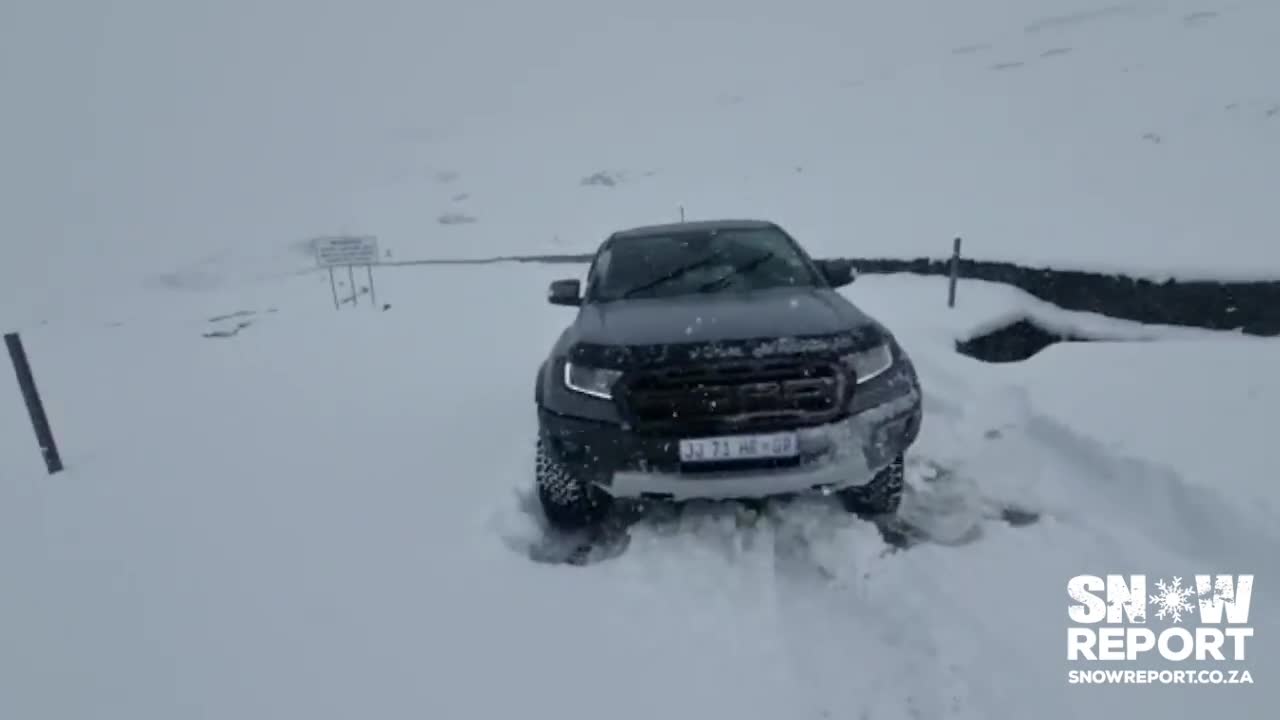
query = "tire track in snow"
{"x": 1104, "y": 512}
{"x": 1154, "y": 521}
{"x": 1155, "y": 500}
{"x": 856, "y": 650}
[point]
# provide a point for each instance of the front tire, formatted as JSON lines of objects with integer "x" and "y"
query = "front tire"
{"x": 882, "y": 496}
{"x": 568, "y": 501}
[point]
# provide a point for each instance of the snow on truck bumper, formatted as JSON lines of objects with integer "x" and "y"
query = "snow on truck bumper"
{"x": 840, "y": 454}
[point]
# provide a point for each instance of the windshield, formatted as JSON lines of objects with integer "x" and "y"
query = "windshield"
{"x": 708, "y": 261}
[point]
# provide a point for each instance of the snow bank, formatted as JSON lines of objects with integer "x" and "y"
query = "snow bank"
{"x": 919, "y": 304}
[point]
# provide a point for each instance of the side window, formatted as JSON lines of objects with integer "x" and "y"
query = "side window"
{"x": 598, "y": 271}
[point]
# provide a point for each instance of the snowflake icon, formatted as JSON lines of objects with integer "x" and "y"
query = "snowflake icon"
{"x": 1172, "y": 601}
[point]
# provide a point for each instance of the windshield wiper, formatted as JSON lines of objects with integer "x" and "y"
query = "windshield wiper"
{"x": 678, "y": 272}
{"x": 737, "y": 270}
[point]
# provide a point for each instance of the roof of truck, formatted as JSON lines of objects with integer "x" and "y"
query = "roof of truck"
{"x": 692, "y": 226}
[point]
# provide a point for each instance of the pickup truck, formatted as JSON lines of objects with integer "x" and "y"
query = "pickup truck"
{"x": 717, "y": 360}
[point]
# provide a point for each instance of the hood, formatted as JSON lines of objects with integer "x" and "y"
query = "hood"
{"x": 715, "y": 318}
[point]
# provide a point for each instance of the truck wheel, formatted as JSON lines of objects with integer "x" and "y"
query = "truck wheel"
{"x": 568, "y": 501}
{"x": 881, "y": 496}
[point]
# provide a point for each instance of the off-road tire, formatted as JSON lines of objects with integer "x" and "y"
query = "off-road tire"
{"x": 568, "y": 502}
{"x": 882, "y": 496}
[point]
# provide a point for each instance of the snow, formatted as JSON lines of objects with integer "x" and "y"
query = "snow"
{"x": 983, "y": 307}
{"x": 326, "y": 514}
{"x": 1194, "y": 392}
{"x": 872, "y": 129}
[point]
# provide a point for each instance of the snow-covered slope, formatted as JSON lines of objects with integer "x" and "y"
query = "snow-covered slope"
{"x": 189, "y": 144}
{"x": 326, "y": 514}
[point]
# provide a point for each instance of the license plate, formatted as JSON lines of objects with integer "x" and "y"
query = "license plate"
{"x": 738, "y": 447}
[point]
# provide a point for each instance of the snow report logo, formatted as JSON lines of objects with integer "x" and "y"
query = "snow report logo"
{"x": 1195, "y": 636}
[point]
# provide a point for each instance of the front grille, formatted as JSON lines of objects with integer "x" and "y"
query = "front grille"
{"x": 734, "y": 395}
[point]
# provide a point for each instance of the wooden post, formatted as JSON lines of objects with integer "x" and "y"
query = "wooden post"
{"x": 955, "y": 274}
{"x": 35, "y": 408}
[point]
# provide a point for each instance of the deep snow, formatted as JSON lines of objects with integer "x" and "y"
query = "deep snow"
{"x": 326, "y": 515}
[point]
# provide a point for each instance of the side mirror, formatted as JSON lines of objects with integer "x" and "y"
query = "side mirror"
{"x": 565, "y": 292}
{"x": 838, "y": 272}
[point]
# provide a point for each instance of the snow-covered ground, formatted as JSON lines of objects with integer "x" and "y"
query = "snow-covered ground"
{"x": 326, "y": 515}
{"x": 187, "y": 144}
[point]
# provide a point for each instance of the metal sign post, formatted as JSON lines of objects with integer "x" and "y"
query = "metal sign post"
{"x": 333, "y": 285}
{"x": 348, "y": 251}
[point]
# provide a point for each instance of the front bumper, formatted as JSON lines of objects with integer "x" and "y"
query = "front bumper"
{"x": 840, "y": 454}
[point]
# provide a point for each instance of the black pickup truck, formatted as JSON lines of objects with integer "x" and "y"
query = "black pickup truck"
{"x": 716, "y": 359}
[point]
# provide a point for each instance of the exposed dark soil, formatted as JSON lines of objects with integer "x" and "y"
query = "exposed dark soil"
{"x": 1014, "y": 342}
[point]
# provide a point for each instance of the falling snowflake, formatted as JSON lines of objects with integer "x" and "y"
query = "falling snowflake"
{"x": 1172, "y": 599}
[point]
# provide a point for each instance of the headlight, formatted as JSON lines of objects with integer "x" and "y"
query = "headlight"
{"x": 867, "y": 364}
{"x": 596, "y": 382}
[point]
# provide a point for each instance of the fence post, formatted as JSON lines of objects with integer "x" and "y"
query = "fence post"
{"x": 35, "y": 408}
{"x": 955, "y": 274}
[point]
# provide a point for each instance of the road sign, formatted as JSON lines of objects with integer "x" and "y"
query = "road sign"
{"x": 346, "y": 250}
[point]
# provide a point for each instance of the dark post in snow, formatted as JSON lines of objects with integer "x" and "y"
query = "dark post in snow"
{"x": 955, "y": 274}
{"x": 35, "y": 408}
